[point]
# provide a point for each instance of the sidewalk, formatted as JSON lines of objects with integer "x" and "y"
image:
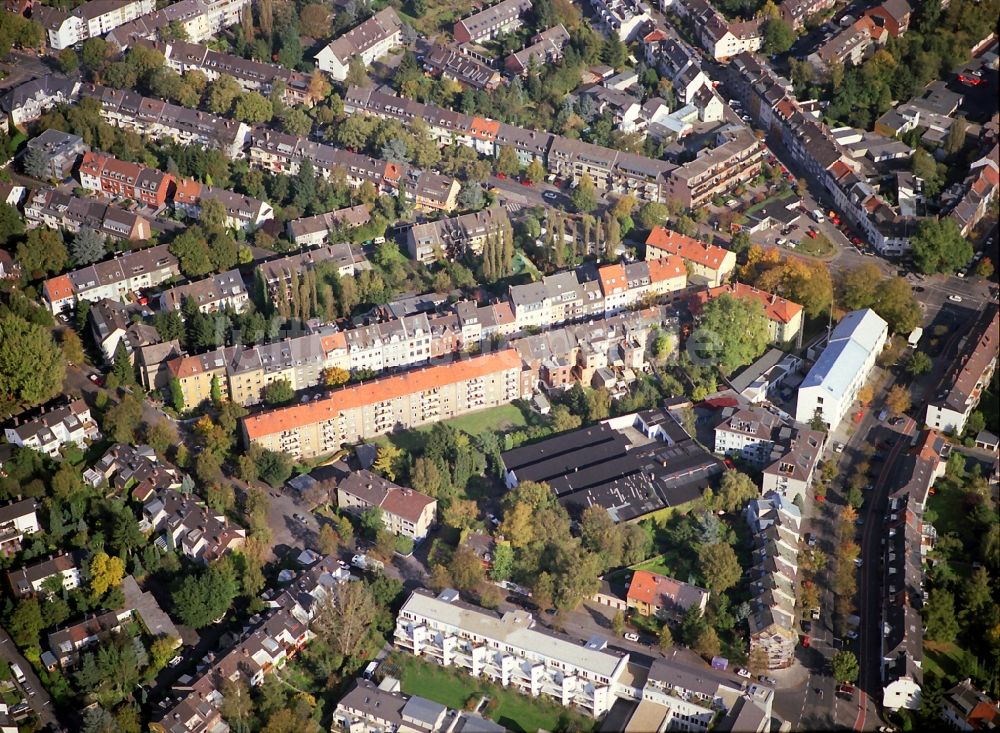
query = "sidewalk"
{"x": 794, "y": 676}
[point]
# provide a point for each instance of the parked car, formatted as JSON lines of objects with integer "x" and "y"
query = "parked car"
{"x": 743, "y": 672}
{"x": 955, "y": 298}
{"x": 631, "y": 636}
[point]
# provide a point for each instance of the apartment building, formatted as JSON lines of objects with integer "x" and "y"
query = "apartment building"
{"x": 893, "y": 15}
{"x": 502, "y": 17}
{"x": 963, "y": 385}
{"x": 791, "y": 466}
{"x": 510, "y": 650}
{"x": 30, "y": 100}
{"x": 784, "y": 318}
{"x": 311, "y": 231}
{"x": 54, "y": 428}
{"x": 347, "y": 259}
{"x": 432, "y": 191}
{"x": 200, "y": 19}
{"x": 736, "y": 159}
{"x": 795, "y": 12}
{"x": 967, "y": 708}
{"x": 31, "y": 579}
{"x": 241, "y": 212}
{"x": 720, "y": 38}
{"x": 652, "y": 594}
{"x": 833, "y": 382}
{"x": 453, "y": 237}
{"x": 252, "y": 76}
{"x": 363, "y": 411}
{"x": 93, "y": 19}
{"x": 106, "y": 174}
{"x": 224, "y": 291}
{"x": 244, "y": 372}
{"x": 545, "y": 48}
{"x": 611, "y": 170}
{"x": 393, "y": 344}
{"x": 625, "y": 18}
{"x": 979, "y": 191}
{"x": 773, "y": 620}
{"x": 190, "y": 527}
{"x": 708, "y": 264}
{"x": 748, "y": 433}
{"x": 404, "y": 511}
{"x": 851, "y": 45}
{"x": 116, "y": 279}
{"x": 161, "y": 120}
{"x": 277, "y": 152}
{"x": 60, "y": 150}
{"x": 67, "y": 643}
{"x": 369, "y": 41}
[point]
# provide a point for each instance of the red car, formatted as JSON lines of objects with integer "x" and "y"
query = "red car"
{"x": 811, "y": 233}
{"x": 972, "y": 79}
{"x": 502, "y": 176}
{"x": 526, "y": 182}
{"x": 806, "y": 641}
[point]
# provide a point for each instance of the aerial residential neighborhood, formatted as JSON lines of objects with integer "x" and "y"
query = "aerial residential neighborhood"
{"x": 518, "y": 365}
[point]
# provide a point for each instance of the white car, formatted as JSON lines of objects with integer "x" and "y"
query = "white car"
{"x": 631, "y": 636}
{"x": 858, "y": 562}
{"x": 838, "y": 447}
{"x": 955, "y": 298}
{"x": 743, "y": 672}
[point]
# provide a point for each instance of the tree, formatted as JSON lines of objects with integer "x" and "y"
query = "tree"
{"x": 471, "y": 196}
{"x": 778, "y": 36}
{"x": 357, "y": 73}
{"x": 956, "y": 136}
{"x": 335, "y": 377}
{"x": 31, "y": 364}
{"x": 372, "y": 521}
{"x": 614, "y": 53}
{"x": 919, "y": 363}
{"x": 707, "y": 643}
{"x": 345, "y": 617}
{"x": 122, "y": 368}
{"x": 386, "y": 460}
{"x": 11, "y": 225}
{"x": 176, "y": 394}
{"x": 735, "y": 491}
{"x": 898, "y": 399}
{"x": 897, "y": 304}
{"x": 740, "y": 242}
{"x": 985, "y": 267}
{"x": 466, "y": 569}
{"x": 652, "y": 214}
{"x": 507, "y": 162}
{"x": 42, "y": 252}
{"x": 253, "y": 107}
{"x": 88, "y": 246}
{"x": 938, "y": 246}
{"x": 425, "y": 476}
{"x": 758, "y": 662}
{"x": 237, "y": 704}
{"x": 106, "y": 572}
{"x": 535, "y": 171}
{"x": 35, "y": 164}
{"x": 845, "y": 666}
{"x": 942, "y": 621}
{"x": 600, "y": 534}
{"x": 665, "y": 639}
{"x": 273, "y": 468}
{"x": 279, "y": 392}
{"x": 203, "y": 597}
{"x": 857, "y": 288}
{"x": 719, "y": 567}
{"x": 584, "y": 196}
{"x": 122, "y": 420}
{"x": 72, "y": 347}
{"x": 222, "y": 93}
{"x": 731, "y": 332}
{"x": 25, "y": 623}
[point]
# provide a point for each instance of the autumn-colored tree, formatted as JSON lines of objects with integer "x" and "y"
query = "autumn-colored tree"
{"x": 898, "y": 399}
{"x": 335, "y": 376}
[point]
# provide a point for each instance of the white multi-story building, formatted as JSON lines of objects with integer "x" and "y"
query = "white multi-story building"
{"x": 372, "y": 39}
{"x": 508, "y": 650}
{"x": 90, "y": 20}
{"x": 17, "y": 520}
{"x": 50, "y": 431}
{"x": 200, "y": 19}
{"x": 833, "y": 383}
{"x": 748, "y": 433}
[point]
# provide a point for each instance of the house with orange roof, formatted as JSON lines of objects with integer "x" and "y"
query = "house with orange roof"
{"x": 967, "y": 708}
{"x": 119, "y": 178}
{"x": 784, "y": 317}
{"x": 667, "y": 274}
{"x": 614, "y": 285}
{"x": 707, "y": 264}
{"x": 652, "y": 594}
{"x": 58, "y": 293}
{"x": 401, "y": 401}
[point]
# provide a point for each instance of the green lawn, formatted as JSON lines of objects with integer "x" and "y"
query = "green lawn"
{"x": 514, "y": 711}
{"x": 820, "y": 247}
{"x": 659, "y": 565}
{"x": 495, "y": 418}
{"x": 946, "y": 504}
{"x": 945, "y": 660}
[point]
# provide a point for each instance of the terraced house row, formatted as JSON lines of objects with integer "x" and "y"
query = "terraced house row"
{"x": 736, "y": 158}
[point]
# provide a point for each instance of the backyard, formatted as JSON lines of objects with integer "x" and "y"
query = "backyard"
{"x": 497, "y": 419}
{"x": 513, "y": 710}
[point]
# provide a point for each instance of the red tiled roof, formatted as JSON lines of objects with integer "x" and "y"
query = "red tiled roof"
{"x": 612, "y": 279}
{"x": 58, "y": 288}
{"x": 649, "y": 588}
{"x": 775, "y": 308}
{"x": 666, "y": 268}
{"x": 707, "y": 255}
{"x": 484, "y": 128}
{"x": 380, "y": 390}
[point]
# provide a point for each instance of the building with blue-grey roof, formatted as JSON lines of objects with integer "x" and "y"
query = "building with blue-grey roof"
{"x": 833, "y": 383}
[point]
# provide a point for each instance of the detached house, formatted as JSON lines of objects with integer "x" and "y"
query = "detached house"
{"x": 16, "y": 520}
{"x": 651, "y": 594}
{"x": 404, "y": 511}
{"x": 29, "y": 580}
